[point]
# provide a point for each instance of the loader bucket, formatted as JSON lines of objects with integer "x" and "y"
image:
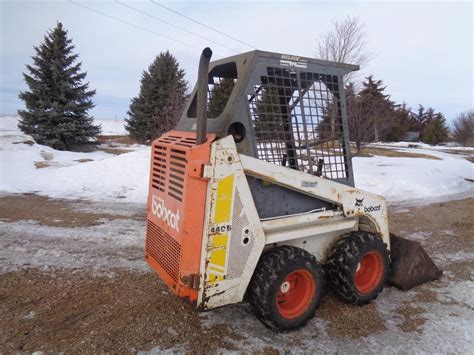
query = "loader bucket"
{"x": 411, "y": 265}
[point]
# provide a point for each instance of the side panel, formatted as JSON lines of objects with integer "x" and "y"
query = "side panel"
{"x": 175, "y": 213}
{"x": 233, "y": 239}
{"x": 369, "y": 208}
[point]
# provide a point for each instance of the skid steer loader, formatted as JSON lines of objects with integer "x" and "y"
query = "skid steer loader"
{"x": 252, "y": 197}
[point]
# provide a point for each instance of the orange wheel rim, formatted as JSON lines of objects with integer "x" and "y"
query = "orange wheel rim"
{"x": 369, "y": 272}
{"x": 295, "y": 294}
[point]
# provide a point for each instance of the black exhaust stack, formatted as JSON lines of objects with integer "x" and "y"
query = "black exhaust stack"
{"x": 203, "y": 71}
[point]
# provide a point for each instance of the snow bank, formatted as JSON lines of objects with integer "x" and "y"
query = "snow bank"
{"x": 109, "y": 177}
{"x": 96, "y": 176}
{"x": 8, "y": 126}
{"x": 403, "y": 179}
{"x": 448, "y": 146}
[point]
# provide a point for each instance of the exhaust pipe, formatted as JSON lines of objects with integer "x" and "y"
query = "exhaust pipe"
{"x": 202, "y": 95}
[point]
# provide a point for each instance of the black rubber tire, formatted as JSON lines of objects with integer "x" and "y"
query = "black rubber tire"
{"x": 271, "y": 271}
{"x": 343, "y": 260}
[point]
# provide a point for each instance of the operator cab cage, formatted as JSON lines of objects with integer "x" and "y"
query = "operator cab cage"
{"x": 284, "y": 109}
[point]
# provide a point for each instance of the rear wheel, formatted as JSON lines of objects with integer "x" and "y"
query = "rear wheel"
{"x": 286, "y": 288}
{"x": 357, "y": 267}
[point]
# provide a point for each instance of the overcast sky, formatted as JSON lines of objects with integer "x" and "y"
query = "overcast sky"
{"x": 424, "y": 50}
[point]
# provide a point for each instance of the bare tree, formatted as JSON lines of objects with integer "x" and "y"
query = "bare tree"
{"x": 463, "y": 128}
{"x": 345, "y": 43}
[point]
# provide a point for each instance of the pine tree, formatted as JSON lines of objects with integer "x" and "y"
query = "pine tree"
{"x": 220, "y": 94}
{"x": 436, "y": 130}
{"x": 377, "y": 107}
{"x": 58, "y": 100}
{"x": 269, "y": 125}
{"x": 401, "y": 123}
{"x": 419, "y": 119}
{"x": 161, "y": 100}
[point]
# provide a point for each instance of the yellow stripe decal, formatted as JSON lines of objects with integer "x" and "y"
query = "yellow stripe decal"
{"x": 225, "y": 188}
{"x": 219, "y": 250}
{"x": 219, "y": 242}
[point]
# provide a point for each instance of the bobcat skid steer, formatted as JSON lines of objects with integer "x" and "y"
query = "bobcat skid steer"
{"x": 252, "y": 197}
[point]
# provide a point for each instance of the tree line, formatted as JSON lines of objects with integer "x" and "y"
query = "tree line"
{"x": 374, "y": 117}
{"x": 58, "y": 100}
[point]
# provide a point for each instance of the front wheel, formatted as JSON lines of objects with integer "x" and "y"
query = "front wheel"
{"x": 357, "y": 267}
{"x": 286, "y": 288}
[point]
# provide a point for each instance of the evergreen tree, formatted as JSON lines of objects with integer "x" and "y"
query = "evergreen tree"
{"x": 58, "y": 100}
{"x": 268, "y": 124}
{"x": 419, "y": 119}
{"x": 401, "y": 123}
{"x": 377, "y": 108}
{"x": 436, "y": 130}
{"x": 159, "y": 105}
{"x": 220, "y": 94}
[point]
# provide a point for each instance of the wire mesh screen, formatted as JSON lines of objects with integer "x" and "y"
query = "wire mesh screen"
{"x": 297, "y": 121}
{"x": 221, "y": 82}
{"x": 219, "y": 91}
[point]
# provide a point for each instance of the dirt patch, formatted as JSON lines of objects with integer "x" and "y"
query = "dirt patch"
{"x": 117, "y": 139}
{"x": 27, "y": 142}
{"x": 425, "y": 295}
{"x": 342, "y": 318}
{"x": 371, "y": 151}
{"x": 268, "y": 350}
{"x": 116, "y": 151}
{"x": 458, "y": 151}
{"x": 52, "y": 212}
{"x": 449, "y": 226}
{"x": 412, "y": 320}
{"x": 74, "y": 313}
{"x": 460, "y": 270}
{"x": 84, "y": 160}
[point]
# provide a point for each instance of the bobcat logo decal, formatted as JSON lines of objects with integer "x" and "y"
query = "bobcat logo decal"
{"x": 359, "y": 202}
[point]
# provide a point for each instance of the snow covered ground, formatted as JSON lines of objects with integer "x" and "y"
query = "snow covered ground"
{"x": 401, "y": 179}
{"x": 95, "y": 176}
{"x": 445, "y": 322}
{"x": 112, "y": 127}
{"x": 101, "y": 176}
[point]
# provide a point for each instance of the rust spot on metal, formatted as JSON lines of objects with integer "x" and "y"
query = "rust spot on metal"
{"x": 324, "y": 217}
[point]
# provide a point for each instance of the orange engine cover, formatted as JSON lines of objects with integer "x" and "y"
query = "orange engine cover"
{"x": 175, "y": 213}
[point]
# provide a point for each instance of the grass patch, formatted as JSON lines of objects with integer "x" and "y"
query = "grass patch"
{"x": 116, "y": 139}
{"x": 458, "y": 152}
{"x": 372, "y": 151}
{"x": 116, "y": 151}
{"x": 41, "y": 164}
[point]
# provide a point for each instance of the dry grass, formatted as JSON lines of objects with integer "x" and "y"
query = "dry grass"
{"x": 27, "y": 142}
{"x": 116, "y": 139}
{"x": 116, "y": 151}
{"x": 372, "y": 151}
{"x": 41, "y": 164}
